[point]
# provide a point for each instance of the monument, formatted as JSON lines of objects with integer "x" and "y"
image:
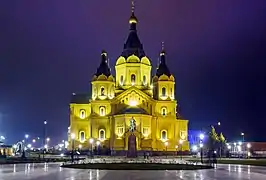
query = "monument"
{"x": 132, "y": 143}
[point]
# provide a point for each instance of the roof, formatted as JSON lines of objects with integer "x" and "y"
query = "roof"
{"x": 133, "y": 44}
{"x": 5, "y": 146}
{"x": 132, "y": 110}
{"x": 163, "y": 68}
{"x": 104, "y": 67}
{"x": 80, "y": 98}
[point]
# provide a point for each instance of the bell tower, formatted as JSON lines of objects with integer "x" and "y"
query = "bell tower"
{"x": 163, "y": 81}
{"x": 133, "y": 68}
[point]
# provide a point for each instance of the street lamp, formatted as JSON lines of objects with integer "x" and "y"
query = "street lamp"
{"x": 73, "y": 140}
{"x": 176, "y": 147}
{"x": 201, "y": 147}
{"x": 2, "y": 138}
{"x": 166, "y": 144}
{"x": 91, "y": 142}
{"x": 219, "y": 123}
{"x": 44, "y": 136}
{"x": 181, "y": 143}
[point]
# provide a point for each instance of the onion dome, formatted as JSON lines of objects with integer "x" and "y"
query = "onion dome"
{"x": 104, "y": 66}
{"x": 133, "y": 46}
{"x": 162, "y": 68}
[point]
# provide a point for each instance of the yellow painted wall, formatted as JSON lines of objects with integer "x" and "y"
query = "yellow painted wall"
{"x": 119, "y": 96}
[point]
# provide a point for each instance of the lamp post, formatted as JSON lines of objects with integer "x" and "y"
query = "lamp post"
{"x": 98, "y": 145}
{"x": 91, "y": 142}
{"x": 176, "y": 147}
{"x": 201, "y": 147}
{"x": 166, "y": 144}
{"x": 44, "y": 136}
{"x": 73, "y": 146}
{"x": 181, "y": 143}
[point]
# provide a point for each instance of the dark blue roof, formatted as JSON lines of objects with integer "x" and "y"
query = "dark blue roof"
{"x": 133, "y": 44}
{"x": 104, "y": 67}
{"x": 163, "y": 69}
{"x": 133, "y": 110}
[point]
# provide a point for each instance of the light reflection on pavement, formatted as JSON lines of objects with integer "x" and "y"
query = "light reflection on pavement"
{"x": 53, "y": 171}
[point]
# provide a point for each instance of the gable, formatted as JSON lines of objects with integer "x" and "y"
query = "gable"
{"x": 135, "y": 98}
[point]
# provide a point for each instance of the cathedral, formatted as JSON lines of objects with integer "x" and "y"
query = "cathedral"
{"x": 130, "y": 97}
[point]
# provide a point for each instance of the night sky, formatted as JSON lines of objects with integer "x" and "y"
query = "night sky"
{"x": 51, "y": 48}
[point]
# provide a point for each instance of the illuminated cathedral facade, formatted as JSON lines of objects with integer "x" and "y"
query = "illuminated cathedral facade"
{"x": 103, "y": 119}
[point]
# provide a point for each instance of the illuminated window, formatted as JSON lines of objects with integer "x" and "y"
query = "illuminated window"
{"x": 102, "y": 91}
{"x": 164, "y": 135}
{"x": 163, "y": 91}
{"x": 82, "y": 136}
{"x": 121, "y": 80}
{"x": 164, "y": 111}
{"x": 145, "y": 131}
{"x": 120, "y": 130}
{"x": 82, "y": 114}
{"x": 144, "y": 80}
{"x": 102, "y": 134}
{"x": 102, "y": 111}
{"x": 133, "y": 79}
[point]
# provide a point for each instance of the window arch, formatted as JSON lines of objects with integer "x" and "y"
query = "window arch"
{"x": 101, "y": 134}
{"x": 82, "y": 114}
{"x": 164, "y": 135}
{"x": 144, "y": 80}
{"x": 122, "y": 80}
{"x": 163, "y": 91}
{"x": 81, "y": 136}
{"x": 164, "y": 111}
{"x": 133, "y": 79}
{"x": 102, "y": 111}
{"x": 102, "y": 91}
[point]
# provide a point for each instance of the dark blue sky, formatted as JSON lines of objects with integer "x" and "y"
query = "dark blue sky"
{"x": 51, "y": 48}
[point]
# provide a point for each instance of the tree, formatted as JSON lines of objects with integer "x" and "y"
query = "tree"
{"x": 222, "y": 141}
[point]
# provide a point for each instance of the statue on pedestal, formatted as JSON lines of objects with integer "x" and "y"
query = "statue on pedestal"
{"x": 132, "y": 144}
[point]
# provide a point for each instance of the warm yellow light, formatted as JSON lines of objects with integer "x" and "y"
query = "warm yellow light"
{"x": 80, "y": 146}
{"x": 133, "y": 103}
{"x": 72, "y": 136}
{"x": 166, "y": 143}
{"x": 181, "y": 141}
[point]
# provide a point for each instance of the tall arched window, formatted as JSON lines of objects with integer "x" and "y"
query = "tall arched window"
{"x": 133, "y": 79}
{"x": 102, "y": 134}
{"x": 82, "y": 114}
{"x": 102, "y": 91}
{"x": 81, "y": 136}
{"x": 164, "y": 135}
{"x": 102, "y": 111}
{"x": 164, "y": 111}
{"x": 121, "y": 80}
{"x": 144, "y": 80}
{"x": 163, "y": 91}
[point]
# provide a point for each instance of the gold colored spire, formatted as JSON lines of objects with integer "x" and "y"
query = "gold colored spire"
{"x": 163, "y": 50}
{"x": 132, "y": 6}
{"x": 133, "y": 18}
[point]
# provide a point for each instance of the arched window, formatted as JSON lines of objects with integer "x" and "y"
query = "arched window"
{"x": 164, "y": 111}
{"x": 82, "y": 114}
{"x": 102, "y": 111}
{"x": 144, "y": 80}
{"x": 163, "y": 91}
{"x": 102, "y": 91}
{"x": 133, "y": 79}
{"x": 121, "y": 80}
{"x": 102, "y": 134}
{"x": 164, "y": 135}
{"x": 81, "y": 136}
